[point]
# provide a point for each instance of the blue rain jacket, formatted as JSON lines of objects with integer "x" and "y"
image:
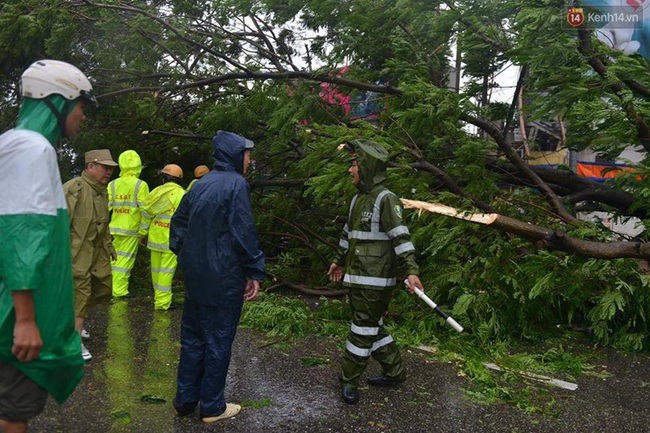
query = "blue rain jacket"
{"x": 213, "y": 232}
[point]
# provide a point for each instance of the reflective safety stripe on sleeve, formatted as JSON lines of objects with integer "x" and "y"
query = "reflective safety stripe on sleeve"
{"x": 403, "y": 248}
{"x": 399, "y": 230}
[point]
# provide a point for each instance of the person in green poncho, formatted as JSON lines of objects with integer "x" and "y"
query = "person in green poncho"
{"x": 40, "y": 349}
{"x": 374, "y": 250}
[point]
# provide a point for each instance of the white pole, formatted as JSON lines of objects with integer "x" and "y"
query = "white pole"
{"x": 437, "y": 309}
{"x": 433, "y": 305}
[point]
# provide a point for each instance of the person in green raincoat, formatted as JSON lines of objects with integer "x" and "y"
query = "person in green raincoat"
{"x": 374, "y": 250}
{"x": 40, "y": 349}
{"x": 157, "y": 213}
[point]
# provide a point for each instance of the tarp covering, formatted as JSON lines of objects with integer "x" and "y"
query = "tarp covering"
{"x": 599, "y": 171}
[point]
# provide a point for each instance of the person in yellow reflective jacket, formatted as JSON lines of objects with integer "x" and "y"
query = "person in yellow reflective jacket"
{"x": 199, "y": 172}
{"x": 157, "y": 213}
{"x": 126, "y": 196}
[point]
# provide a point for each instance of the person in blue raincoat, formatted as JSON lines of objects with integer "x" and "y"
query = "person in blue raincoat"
{"x": 214, "y": 236}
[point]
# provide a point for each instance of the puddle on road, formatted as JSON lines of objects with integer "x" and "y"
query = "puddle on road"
{"x": 138, "y": 380}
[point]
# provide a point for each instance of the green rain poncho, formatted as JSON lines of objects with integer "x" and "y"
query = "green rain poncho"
{"x": 35, "y": 253}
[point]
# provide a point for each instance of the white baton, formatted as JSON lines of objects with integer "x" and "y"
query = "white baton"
{"x": 437, "y": 309}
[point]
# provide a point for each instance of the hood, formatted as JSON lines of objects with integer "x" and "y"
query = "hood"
{"x": 372, "y": 160}
{"x": 228, "y": 151}
{"x": 130, "y": 163}
{"x": 36, "y": 116}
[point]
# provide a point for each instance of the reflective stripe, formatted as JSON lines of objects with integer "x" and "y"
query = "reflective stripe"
{"x": 133, "y": 203}
{"x": 135, "y": 193}
{"x": 364, "y": 353}
{"x": 162, "y": 288}
{"x": 375, "y": 233}
{"x": 124, "y": 232}
{"x": 381, "y": 343}
{"x": 122, "y": 270}
{"x": 364, "y": 330}
{"x": 163, "y": 270}
{"x": 161, "y": 246}
{"x": 352, "y": 202}
{"x": 344, "y": 244}
{"x": 368, "y": 236}
{"x": 369, "y": 281}
{"x": 145, "y": 221}
{"x": 406, "y": 246}
{"x": 125, "y": 254}
{"x": 399, "y": 230}
{"x": 123, "y": 203}
{"x": 374, "y": 222}
{"x": 163, "y": 216}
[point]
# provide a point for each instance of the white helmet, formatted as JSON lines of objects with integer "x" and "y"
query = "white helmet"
{"x": 52, "y": 77}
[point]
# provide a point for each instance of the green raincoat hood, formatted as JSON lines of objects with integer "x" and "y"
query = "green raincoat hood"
{"x": 36, "y": 116}
{"x": 372, "y": 160}
{"x": 130, "y": 163}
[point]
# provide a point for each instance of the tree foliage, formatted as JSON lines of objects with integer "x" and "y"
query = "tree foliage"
{"x": 171, "y": 73}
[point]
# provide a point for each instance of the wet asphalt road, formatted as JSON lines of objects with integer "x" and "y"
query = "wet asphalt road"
{"x": 130, "y": 383}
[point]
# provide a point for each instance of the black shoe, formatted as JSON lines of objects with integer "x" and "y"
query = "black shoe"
{"x": 350, "y": 395}
{"x": 385, "y": 381}
{"x": 184, "y": 409}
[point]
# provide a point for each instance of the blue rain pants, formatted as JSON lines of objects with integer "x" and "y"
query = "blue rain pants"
{"x": 207, "y": 334}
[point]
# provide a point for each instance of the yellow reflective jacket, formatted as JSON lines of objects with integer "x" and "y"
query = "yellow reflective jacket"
{"x": 157, "y": 212}
{"x": 189, "y": 187}
{"x": 126, "y": 196}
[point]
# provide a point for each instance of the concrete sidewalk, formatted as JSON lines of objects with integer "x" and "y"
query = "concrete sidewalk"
{"x": 130, "y": 383}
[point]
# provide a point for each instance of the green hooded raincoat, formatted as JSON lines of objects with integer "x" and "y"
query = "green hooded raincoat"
{"x": 375, "y": 247}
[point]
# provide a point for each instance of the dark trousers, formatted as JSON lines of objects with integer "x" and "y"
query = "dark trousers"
{"x": 207, "y": 334}
{"x": 368, "y": 337}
